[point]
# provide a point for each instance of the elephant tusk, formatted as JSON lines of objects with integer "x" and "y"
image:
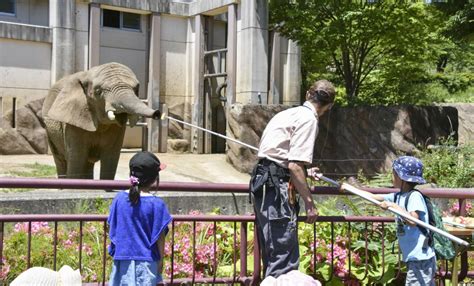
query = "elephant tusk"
{"x": 111, "y": 115}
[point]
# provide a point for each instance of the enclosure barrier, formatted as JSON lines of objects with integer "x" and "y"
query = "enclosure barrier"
{"x": 241, "y": 237}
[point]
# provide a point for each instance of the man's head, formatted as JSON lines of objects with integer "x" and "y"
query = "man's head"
{"x": 321, "y": 93}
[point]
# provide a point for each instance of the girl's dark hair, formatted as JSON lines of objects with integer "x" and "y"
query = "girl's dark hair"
{"x": 144, "y": 171}
{"x": 134, "y": 191}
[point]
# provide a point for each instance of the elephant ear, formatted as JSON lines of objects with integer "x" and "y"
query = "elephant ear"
{"x": 71, "y": 106}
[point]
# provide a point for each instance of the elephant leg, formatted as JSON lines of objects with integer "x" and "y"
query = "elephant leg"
{"x": 78, "y": 143}
{"x": 54, "y": 130}
{"x": 110, "y": 152}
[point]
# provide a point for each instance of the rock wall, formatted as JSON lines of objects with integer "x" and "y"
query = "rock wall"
{"x": 366, "y": 138}
{"x": 29, "y": 135}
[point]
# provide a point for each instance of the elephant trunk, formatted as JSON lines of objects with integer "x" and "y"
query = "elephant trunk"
{"x": 127, "y": 102}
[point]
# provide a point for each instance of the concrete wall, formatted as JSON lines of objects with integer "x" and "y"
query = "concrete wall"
{"x": 33, "y": 12}
{"x": 24, "y": 71}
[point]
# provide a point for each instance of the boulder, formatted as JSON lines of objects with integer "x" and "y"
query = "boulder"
{"x": 178, "y": 146}
{"x": 466, "y": 122}
{"x": 29, "y": 132}
{"x": 13, "y": 143}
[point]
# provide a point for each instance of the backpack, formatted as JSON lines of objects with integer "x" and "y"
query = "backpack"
{"x": 443, "y": 247}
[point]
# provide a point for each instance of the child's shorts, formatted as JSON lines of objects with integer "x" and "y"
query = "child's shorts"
{"x": 134, "y": 272}
{"x": 421, "y": 272}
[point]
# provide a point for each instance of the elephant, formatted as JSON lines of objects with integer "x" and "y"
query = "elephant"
{"x": 85, "y": 115}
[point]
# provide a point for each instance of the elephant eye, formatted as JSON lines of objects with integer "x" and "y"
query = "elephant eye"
{"x": 135, "y": 89}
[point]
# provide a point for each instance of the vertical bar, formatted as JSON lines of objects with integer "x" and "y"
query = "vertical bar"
{"x": 94, "y": 34}
{"x": 172, "y": 252}
{"x": 28, "y": 256}
{"x": 163, "y": 130}
{"x": 104, "y": 255}
{"x": 55, "y": 243}
{"x": 1, "y": 245}
{"x": 234, "y": 253}
{"x": 314, "y": 249}
{"x": 462, "y": 207}
{"x": 197, "y": 138}
{"x": 214, "y": 262}
{"x": 349, "y": 245}
{"x": 194, "y": 252}
{"x": 231, "y": 56}
{"x": 256, "y": 256}
{"x": 243, "y": 249}
{"x": 80, "y": 246}
{"x": 154, "y": 134}
{"x": 145, "y": 146}
{"x": 14, "y": 113}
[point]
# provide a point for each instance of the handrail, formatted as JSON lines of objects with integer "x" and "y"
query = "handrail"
{"x": 8, "y": 182}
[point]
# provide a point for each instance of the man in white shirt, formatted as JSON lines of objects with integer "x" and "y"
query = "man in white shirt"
{"x": 286, "y": 147}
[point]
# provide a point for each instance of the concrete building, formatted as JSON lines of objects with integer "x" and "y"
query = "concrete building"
{"x": 193, "y": 57}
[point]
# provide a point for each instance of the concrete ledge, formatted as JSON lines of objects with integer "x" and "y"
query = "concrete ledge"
{"x": 25, "y": 32}
{"x": 74, "y": 202}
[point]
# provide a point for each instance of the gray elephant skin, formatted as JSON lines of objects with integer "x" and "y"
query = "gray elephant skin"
{"x": 85, "y": 116}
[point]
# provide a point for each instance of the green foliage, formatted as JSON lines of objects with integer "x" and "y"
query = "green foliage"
{"x": 448, "y": 165}
{"x": 385, "y": 52}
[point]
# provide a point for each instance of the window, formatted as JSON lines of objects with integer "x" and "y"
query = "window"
{"x": 130, "y": 21}
{"x": 121, "y": 20}
{"x": 7, "y": 6}
{"x": 111, "y": 18}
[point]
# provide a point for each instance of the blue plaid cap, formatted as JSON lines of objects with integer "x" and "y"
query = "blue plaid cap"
{"x": 409, "y": 169}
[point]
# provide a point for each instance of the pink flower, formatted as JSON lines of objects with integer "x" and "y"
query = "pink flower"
{"x": 5, "y": 269}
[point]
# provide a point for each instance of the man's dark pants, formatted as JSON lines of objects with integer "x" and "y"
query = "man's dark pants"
{"x": 277, "y": 230}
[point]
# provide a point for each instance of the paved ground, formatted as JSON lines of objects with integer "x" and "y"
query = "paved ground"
{"x": 211, "y": 168}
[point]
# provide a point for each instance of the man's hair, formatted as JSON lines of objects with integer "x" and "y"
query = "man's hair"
{"x": 322, "y": 92}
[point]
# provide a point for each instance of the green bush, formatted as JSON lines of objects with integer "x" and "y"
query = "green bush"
{"x": 448, "y": 165}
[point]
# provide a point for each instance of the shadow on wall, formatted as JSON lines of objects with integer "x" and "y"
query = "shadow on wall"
{"x": 369, "y": 138}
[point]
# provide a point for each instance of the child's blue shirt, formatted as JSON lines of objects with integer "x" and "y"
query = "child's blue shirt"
{"x": 411, "y": 239}
{"x": 135, "y": 229}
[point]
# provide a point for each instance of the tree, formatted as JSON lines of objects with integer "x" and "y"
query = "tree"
{"x": 355, "y": 39}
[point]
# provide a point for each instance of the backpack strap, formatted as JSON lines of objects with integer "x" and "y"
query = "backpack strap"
{"x": 422, "y": 229}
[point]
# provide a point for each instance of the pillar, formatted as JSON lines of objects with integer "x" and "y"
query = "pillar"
{"x": 62, "y": 19}
{"x": 252, "y": 66}
{"x": 157, "y": 141}
{"x": 94, "y": 35}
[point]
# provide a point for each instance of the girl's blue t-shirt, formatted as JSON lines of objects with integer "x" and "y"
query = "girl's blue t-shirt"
{"x": 412, "y": 241}
{"x": 135, "y": 229}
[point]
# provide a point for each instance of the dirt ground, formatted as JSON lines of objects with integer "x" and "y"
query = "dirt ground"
{"x": 210, "y": 168}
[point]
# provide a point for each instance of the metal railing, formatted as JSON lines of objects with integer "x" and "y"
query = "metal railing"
{"x": 243, "y": 246}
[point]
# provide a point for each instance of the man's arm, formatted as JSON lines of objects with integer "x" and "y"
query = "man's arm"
{"x": 298, "y": 177}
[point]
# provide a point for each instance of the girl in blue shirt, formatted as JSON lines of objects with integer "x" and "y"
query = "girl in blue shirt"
{"x": 138, "y": 224}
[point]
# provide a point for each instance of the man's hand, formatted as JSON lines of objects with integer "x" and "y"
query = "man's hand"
{"x": 312, "y": 213}
{"x": 314, "y": 173}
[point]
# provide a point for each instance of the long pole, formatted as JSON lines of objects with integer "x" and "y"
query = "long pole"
{"x": 345, "y": 186}
{"x": 421, "y": 223}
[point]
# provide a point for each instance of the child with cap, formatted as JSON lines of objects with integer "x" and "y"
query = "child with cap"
{"x": 407, "y": 172}
{"x": 138, "y": 224}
